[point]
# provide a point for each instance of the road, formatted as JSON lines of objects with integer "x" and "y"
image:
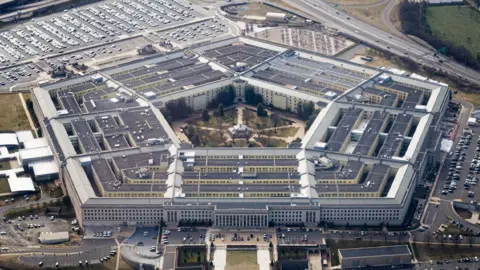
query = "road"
{"x": 334, "y": 18}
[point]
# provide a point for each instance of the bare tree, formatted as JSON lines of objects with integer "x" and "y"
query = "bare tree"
{"x": 456, "y": 240}
{"x": 427, "y": 238}
{"x": 471, "y": 240}
{"x": 275, "y": 119}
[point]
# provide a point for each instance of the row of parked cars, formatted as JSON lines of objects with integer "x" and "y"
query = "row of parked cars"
{"x": 88, "y": 25}
{"x": 103, "y": 234}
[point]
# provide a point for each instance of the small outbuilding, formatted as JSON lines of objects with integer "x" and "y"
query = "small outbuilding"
{"x": 24, "y": 136}
{"x": 375, "y": 256}
{"x": 53, "y": 237}
{"x": 276, "y": 17}
{"x": 9, "y": 140}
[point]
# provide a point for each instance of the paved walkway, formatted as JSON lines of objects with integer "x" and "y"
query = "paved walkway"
{"x": 474, "y": 218}
{"x": 315, "y": 261}
{"x": 263, "y": 258}
{"x": 220, "y": 257}
{"x": 240, "y": 114}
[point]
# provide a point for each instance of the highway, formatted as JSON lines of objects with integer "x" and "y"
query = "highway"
{"x": 402, "y": 46}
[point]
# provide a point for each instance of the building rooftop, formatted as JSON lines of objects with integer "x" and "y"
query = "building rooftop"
{"x": 343, "y": 129}
{"x": 374, "y": 251}
{"x": 371, "y": 132}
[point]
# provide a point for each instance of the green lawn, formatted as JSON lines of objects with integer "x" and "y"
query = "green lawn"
{"x": 228, "y": 120}
{"x": 271, "y": 142}
{"x": 291, "y": 254}
{"x": 241, "y": 260}
{"x": 457, "y": 24}
{"x": 282, "y": 132}
{"x": 189, "y": 257}
{"x": 251, "y": 119}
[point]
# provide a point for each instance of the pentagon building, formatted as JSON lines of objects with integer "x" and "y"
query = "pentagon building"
{"x": 359, "y": 162}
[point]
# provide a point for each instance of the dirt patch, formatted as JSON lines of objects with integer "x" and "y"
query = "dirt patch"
{"x": 371, "y": 14}
{"x": 354, "y": 2}
{"x": 16, "y": 118}
{"x": 255, "y": 9}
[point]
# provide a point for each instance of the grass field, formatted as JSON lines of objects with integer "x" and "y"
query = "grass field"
{"x": 189, "y": 257}
{"x": 260, "y": 123}
{"x": 272, "y": 142}
{"x": 457, "y": 24}
{"x": 228, "y": 120}
{"x": 240, "y": 260}
{"x": 4, "y": 187}
{"x": 13, "y": 116}
{"x": 354, "y": 2}
{"x": 282, "y": 132}
{"x": 369, "y": 14}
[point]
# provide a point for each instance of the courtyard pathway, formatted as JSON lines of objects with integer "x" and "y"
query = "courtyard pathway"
{"x": 240, "y": 114}
{"x": 220, "y": 257}
{"x": 263, "y": 258}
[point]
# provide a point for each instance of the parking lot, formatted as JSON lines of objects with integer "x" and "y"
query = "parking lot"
{"x": 144, "y": 239}
{"x": 89, "y": 257}
{"x": 462, "y": 165}
{"x": 24, "y": 230}
{"x": 98, "y": 54}
{"x": 89, "y": 25}
{"x": 195, "y": 236}
{"x": 195, "y": 32}
{"x": 18, "y": 74}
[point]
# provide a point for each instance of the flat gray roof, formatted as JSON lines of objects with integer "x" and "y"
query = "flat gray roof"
{"x": 141, "y": 160}
{"x": 343, "y": 129}
{"x": 371, "y": 132}
{"x": 86, "y": 136}
{"x": 350, "y": 170}
{"x": 70, "y": 104}
{"x": 375, "y": 251}
{"x": 239, "y": 176}
{"x": 241, "y": 188}
{"x": 396, "y": 135}
{"x": 245, "y": 162}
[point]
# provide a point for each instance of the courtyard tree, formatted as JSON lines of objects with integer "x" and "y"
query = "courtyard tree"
{"x": 195, "y": 140}
{"x": 190, "y": 130}
{"x": 205, "y": 115}
{"x": 275, "y": 119}
{"x": 220, "y": 110}
{"x": 225, "y": 96}
{"x": 249, "y": 94}
{"x": 176, "y": 109}
{"x": 261, "y": 110}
